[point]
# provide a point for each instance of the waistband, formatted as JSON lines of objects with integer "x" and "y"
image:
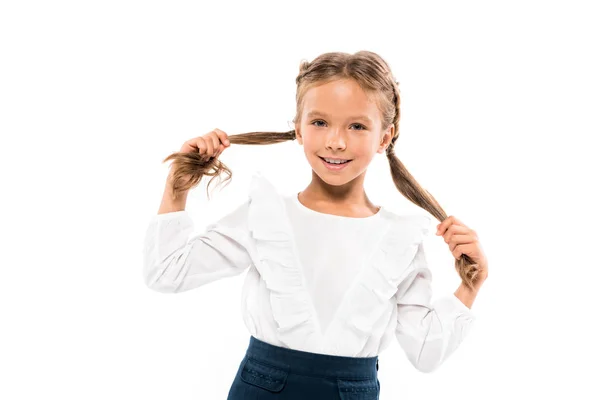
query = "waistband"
{"x": 313, "y": 364}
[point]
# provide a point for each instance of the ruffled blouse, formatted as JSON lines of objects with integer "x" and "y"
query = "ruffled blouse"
{"x": 315, "y": 282}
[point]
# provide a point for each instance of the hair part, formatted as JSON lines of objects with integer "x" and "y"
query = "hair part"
{"x": 374, "y": 76}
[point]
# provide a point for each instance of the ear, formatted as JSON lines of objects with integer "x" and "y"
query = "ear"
{"x": 386, "y": 139}
{"x": 298, "y": 134}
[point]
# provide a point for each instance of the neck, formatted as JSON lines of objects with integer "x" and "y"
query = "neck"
{"x": 350, "y": 196}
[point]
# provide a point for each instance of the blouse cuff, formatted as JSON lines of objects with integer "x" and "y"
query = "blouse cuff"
{"x": 167, "y": 232}
{"x": 451, "y": 305}
{"x": 169, "y": 216}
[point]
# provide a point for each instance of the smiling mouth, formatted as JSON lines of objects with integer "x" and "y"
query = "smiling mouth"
{"x": 345, "y": 162}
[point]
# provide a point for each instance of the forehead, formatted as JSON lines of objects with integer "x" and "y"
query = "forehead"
{"x": 339, "y": 98}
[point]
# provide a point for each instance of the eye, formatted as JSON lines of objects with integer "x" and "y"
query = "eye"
{"x": 362, "y": 127}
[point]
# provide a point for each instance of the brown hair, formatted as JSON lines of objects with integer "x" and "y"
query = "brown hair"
{"x": 373, "y": 75}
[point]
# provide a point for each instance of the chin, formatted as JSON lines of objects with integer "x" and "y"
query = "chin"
{"x": 334, "y": 178}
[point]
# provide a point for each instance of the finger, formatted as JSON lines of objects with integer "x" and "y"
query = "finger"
{"x": 204, "y": 150}
{"x": 222, "y": 136}
{"x": 216, "y": 143}
{"x": 461, "y": 249}
{"x": 445, "y": 224}
{"x": 209, "y": 146}
{"x": 457, "y": 240}
{"x": 442, "y": 226}
{"x": 196, "y": 145}
{"x": 457, "y": 252}
{"x": 187, "y": 147}
{"x": 221, "y": 148}
{"x": 455, "y": 230}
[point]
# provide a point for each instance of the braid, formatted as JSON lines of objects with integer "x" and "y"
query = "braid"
{"x": 374, "y": 75}
{"x": 467, "y": 269}
{"x": 396, "y": 119}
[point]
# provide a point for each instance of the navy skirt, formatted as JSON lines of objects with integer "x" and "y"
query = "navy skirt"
{"x": 273, "y": 372}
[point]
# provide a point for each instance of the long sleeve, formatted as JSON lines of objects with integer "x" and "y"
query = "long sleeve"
{"x": 428, "y": 332}
{"x": 174, "y": 262}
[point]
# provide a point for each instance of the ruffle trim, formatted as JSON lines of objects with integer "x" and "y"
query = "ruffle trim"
{"x": 373, "y": 297}
{"x": 367, "y": 301}
{"x": 278, "y": 266}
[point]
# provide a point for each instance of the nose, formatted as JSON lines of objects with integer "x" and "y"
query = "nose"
{"x": 336, "y": 140}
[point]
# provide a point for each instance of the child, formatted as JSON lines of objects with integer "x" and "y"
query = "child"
{"x": 331, "y": 278}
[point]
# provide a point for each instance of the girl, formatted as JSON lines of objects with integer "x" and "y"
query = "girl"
{"x": 332, "y": 278}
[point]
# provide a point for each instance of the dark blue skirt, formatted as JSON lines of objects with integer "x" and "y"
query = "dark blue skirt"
{"x": 273, "y": 372}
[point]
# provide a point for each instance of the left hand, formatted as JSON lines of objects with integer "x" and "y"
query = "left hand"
{"x": 463, "y": 240}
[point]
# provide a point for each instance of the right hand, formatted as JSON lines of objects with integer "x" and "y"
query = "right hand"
{"x": 210, "y": 145}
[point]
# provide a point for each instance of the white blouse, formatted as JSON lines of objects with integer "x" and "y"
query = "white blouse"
{"x": 316, "y": 282}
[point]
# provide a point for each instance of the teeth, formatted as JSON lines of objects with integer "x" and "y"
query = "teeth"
{"x": 330, "y": 161}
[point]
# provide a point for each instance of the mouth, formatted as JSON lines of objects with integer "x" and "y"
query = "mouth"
{"x": 336, "y": 159}
{"x": 335, "y": 166}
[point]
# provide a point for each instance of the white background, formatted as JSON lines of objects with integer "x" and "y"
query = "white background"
{"x": 499, "y": 122}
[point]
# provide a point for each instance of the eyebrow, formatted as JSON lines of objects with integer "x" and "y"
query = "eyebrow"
{"x": 322, "y": 114}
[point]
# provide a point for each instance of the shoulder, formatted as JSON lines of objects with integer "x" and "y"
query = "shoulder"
{"x": 417, "y": 220}
{"x": 238, "y": 215}
{"x": 261, "y": 195}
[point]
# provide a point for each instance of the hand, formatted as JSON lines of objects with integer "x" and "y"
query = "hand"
{"x": 210, "y": 145}
{"x": 463, "y": 240}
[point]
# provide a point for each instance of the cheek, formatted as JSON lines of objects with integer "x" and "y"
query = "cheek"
{"x": 364, "y": 149}
{"x": 309, "y": 143}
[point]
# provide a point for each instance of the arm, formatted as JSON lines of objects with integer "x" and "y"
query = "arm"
{"x": 173, "y": 262}
{"x": 429, "y": 331}
{"x": 466, "y": 295}
{"x": 168, "y": 204}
